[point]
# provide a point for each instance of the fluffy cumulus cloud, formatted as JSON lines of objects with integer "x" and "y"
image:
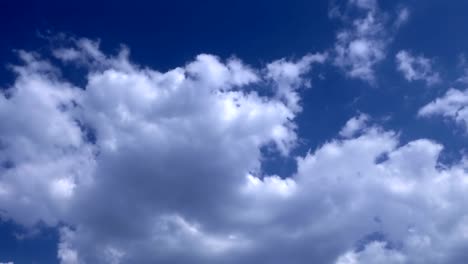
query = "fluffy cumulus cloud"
{"x": 43, "y": 153}
{"x": 416, "y": 68}
{"x": 354, "y": 125}
{"x": 363, "y": 42}
{"x": 452, "y": 105}
{"x": 143, "y": 166}
{"x": 168, "y": 142}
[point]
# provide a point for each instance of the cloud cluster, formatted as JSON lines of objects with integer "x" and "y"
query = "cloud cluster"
{"x": 363, "y": 44}
{"x": 142, "y": 166}
{"x": 416, "y": 68}
{"x": 166, "y": 148}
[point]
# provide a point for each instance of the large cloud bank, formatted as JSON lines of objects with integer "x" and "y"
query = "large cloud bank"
{"x": 141, "y": 166}
{"x": 136, "y": 165}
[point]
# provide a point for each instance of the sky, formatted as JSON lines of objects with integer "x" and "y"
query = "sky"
{"x": 233, "y": 132}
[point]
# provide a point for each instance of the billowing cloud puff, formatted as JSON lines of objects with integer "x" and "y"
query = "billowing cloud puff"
{"x": 43, "y": 153}
{"x": 142, "y": 166}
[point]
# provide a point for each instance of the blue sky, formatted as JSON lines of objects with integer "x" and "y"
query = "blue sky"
{"x": 233, "y": 132}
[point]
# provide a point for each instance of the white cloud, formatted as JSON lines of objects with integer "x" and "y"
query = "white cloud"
{"x": 354, "y": 125}
{"x": 66, "y": 254}
{"x": 41, "y": 143}
{"x": 166, "y": 127}
{"x": 362, "y": 45}
{"x": 416, "y": 68}
{"x": 288, "y": 77}
{"x": 464, "y": 77}
{"x": 374, "y": 252}
{"x": 463, "y": 65}
{"x": 211, "y": 72}
{"x": 402, "y": 17}
{"x": 453, "y": 105}
{"x": 173, "y": 174}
